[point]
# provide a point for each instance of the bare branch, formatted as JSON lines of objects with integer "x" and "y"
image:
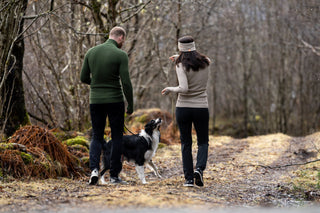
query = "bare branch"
{"x": 40, "y": 119}
{"x": 81, "y": 3}
{"x": 315, "y": 50}
{"x": 280, "y": 166}
{"x": 51, "y": 5}
{"x": 51, "y": 10}
{"x": 75, "y": 31}
{"x": 133, "y": 7}
{"x": 5, "y": 6}
{"x": 137, "y": 12}
{"x": 5, "y": 75}
{"x": 44, "y": 103}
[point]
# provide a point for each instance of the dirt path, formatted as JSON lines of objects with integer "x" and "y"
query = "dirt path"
{"x": 236, "y": 176}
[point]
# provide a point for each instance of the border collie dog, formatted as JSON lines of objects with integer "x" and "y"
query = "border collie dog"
{"x": 138, "y": 149}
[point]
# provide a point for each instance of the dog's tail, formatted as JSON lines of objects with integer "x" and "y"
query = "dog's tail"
{"x": 106, "y": 157}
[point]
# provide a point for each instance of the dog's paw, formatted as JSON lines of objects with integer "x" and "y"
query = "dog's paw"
{"x": 144, "y": 182}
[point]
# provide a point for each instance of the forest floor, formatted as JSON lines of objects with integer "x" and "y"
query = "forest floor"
{"x": 252, "y": 172}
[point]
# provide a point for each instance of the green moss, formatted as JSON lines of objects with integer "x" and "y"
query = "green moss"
{"x": 306, "y": 179}
{"x": 62, "y": 136}
{"x": 142, "y": 119}
{"x": 46, "y": 165}
{"x": 80, "y": 147}
{"x": 26, "y": 120}
{"x": 161, "y": 145}
{"x": 4, "y": 146}
{"x": 80, "y": 140}
{"x": 48, "y": 157}
{"x": 27, "y": 158}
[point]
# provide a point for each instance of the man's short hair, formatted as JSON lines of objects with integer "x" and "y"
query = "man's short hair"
{"x": 117, "y": 32}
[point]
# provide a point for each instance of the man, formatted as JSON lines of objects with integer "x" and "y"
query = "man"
{"x": 105, "y": 69}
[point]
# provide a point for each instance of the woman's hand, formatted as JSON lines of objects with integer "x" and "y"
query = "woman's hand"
{"x": 165, "y": 91}
{"x": 173, "y": 57}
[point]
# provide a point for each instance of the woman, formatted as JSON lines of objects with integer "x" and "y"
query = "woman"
{"x": 191, "y": 107}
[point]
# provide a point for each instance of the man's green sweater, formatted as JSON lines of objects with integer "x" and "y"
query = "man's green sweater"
{"x": 103, "y": 68}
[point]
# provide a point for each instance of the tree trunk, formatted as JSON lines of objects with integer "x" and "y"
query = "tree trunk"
{"x": 12, "y": 104}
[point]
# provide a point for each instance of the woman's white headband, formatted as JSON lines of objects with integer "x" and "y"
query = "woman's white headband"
{"x": 186, "y": 47}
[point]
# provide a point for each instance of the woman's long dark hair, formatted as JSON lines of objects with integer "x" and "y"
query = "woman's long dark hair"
{"x": 192, "y": 60}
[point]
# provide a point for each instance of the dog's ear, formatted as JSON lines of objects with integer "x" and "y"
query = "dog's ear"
{"x": 149, "y": 127}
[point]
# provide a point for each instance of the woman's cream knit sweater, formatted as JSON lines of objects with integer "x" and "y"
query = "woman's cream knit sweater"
{"x": 192, "y": 89}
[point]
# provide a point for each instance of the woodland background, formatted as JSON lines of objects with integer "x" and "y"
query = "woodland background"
{"x": 264, "y": 77}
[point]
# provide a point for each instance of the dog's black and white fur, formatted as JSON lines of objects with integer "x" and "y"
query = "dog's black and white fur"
{"x": 139, "y": 149}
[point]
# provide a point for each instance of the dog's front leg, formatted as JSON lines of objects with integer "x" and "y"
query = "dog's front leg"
{"x": 153, "y": 167}
{"x": 140, "y": 171}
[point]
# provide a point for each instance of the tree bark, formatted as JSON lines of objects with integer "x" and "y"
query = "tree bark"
{"x": 12, "y": 103}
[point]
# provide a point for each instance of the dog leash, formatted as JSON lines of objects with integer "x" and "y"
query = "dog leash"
{"x": 148, "y": 140}
{"x": 128, "y": 129}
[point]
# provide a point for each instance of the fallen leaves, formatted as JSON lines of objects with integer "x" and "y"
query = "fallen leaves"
{"x": 229, "y": 180}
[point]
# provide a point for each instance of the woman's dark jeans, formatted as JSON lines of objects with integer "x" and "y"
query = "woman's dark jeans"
{"x": 200, "y": 118}
{"x": 99, "y": 114}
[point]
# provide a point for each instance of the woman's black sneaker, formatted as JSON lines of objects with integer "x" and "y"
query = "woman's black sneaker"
{"x": 188, "y": 183}
{"x": 198, "y": 177}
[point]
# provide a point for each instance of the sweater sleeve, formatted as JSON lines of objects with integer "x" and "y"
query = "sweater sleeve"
{"x": 183, "y": 82}
{"x": 126, "y": 82}
{"x": 85, "y": 71}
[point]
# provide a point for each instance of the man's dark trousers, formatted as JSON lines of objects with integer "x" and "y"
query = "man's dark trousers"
{"x": 99, "y": 114}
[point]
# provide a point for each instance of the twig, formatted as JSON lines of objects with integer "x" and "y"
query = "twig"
{"x": 280, "y": 166}
{"x": 137, "y": 12}
{"x": 313, "y": 49}
{"x": 46, "y": 13}
{"x": 81, "y": 3}
{"x": 4, "y": 6}
{"x": 75, "y": 31}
